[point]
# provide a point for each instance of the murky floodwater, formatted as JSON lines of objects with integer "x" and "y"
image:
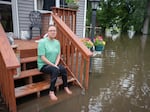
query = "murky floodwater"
{"x": 120, "y": 81}
{"x": 123, "y": 84}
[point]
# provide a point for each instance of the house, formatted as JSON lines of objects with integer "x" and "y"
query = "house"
{"x": 75, "y": 56}
{"x": 15, "y": 15}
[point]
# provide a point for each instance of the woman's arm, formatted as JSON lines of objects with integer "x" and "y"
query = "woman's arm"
{"x": 47, "y": 61}
{"x": 57, "y": 60}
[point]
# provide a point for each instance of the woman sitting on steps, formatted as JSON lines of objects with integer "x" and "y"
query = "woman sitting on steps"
{"x": 48, "y": 61}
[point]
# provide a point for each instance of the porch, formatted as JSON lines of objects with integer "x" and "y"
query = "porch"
{"x": 75, "y": 57}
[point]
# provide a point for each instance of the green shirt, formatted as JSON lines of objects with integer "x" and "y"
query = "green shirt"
{"x": 50, "y": 49}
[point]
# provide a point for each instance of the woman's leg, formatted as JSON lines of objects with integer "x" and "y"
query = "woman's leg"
{"x": 54, "y": 72}
{"x": 63, "y": 73}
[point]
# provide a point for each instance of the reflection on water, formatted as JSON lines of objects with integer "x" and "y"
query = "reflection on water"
{"x": 97, "y": 61}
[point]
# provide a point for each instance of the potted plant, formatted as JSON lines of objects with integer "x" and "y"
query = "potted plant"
{"x": 73, "y": 4}
{"x": 99, "y": 43}
{"x": 87, "y": 42}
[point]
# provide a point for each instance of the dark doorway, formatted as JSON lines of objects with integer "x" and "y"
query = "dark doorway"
{"x": 6, "y": 17}
{"x": 48, "y": 4}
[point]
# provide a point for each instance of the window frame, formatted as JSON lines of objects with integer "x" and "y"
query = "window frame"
{"x": 44, "y": 11}
{"x": 14, "y": 8}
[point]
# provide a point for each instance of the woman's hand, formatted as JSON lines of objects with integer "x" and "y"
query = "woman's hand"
{"x": 56, "y": 66}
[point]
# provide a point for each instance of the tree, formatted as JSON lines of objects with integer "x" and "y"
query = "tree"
{"x": 123, "y": 13}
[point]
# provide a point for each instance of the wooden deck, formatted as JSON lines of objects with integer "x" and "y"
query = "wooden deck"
{"x": 27, "y": 48}
{"x": 26, "y": 44}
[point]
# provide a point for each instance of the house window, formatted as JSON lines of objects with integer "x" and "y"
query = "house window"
{"x": 6, "y": 0}
{"x": 6, "y": 16}
{"x": 48, "y": 4}
{"x": 45, "y": 4}
{"x": 62, "y": 3}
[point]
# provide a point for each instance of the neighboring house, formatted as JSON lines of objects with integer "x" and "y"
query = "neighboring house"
{"x": 14, "y": 14}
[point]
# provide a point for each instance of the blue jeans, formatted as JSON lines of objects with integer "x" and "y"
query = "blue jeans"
{"x": 54, "y": 73}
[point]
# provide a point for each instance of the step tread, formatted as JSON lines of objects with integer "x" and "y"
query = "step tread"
{"x": 37, "y": 87}
{"x": 28, "y": 59}
{"x": 28, "y": 73}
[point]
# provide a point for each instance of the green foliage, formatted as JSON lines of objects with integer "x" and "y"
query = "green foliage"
{"x": 73, "y": 4}
{"x": 70, "y": 1}
{"x": 123, "y": 13}
{"x": 87, "y": 42}
{"x": 111, "y": 13}
{"x": 136, "y": 14}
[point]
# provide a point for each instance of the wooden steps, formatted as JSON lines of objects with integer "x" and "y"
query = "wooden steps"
{"x": 28, "y": 59}
{"x": 31, "y": 80}
{"x": 37, "y": 87}
{"x": 31, "y": 88}
{"x": 28, "y": 73}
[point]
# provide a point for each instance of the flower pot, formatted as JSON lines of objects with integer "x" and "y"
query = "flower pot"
{"x": 99, "y": 48}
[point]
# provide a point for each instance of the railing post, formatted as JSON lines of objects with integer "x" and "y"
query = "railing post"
{"x": 8, "y": 65}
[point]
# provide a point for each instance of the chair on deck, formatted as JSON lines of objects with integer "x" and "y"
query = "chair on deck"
{"x": 35, "y": 19}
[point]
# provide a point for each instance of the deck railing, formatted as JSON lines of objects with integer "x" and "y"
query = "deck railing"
{"x": 8, "y": 65}
{"x": 66, "y": 14}
{"x": 74, "y": 53}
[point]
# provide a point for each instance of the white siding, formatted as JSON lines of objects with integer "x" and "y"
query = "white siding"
{"x": 24, "y": 8}
{"x": 81, "y": 15}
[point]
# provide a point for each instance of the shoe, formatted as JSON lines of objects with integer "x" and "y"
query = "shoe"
{"x": 52, "y": 96}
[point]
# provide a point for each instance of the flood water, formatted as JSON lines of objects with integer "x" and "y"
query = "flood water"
{"x": 119, "y": 82}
